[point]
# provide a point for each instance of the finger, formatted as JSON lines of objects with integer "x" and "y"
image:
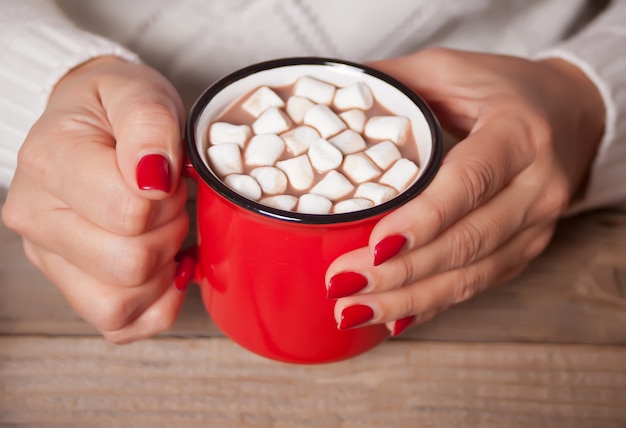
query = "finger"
{"x": 146, "y": 117}
{"x": 158, "y": 318}
{"x": 397, "y": 327}
{"x": 114, "y": 259}
{"x": 438, "y": 83}
{"x": 470, "y": 175}
{"x": 474, "y": 237}
{"x": 91, "y": 184}
{"x": 108, "y": 308}
{"x": 451, "y": 287}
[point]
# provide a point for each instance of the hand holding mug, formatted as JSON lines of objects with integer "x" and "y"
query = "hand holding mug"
{"x": 529, "y": 132}
{"x": 97, "y": 199}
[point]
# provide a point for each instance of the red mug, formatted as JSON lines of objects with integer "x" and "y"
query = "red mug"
{"x": 261, "y": 270}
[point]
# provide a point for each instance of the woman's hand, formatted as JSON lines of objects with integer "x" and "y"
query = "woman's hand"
{"x": 97, "y": 199}
{"x": 529, "y": 132}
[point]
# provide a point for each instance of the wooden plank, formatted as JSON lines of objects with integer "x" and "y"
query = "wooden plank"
{"x": 169, "y": 382}
{"x": 574, "y": 293}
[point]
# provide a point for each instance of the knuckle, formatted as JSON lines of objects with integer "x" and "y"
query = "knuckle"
{"x": 553, "y": 200}
{"x": 37, "y": 157}
{"x": 476, "y": 178}
{"x": 12, "y": 216}
{"x": 112, "y": 314}
{"x": 541, "y": 131}
{"x": 154, "y": 113}
{"x": 556, "y": 199}
{"x": 470, "y": 283}
{"x": 465, "y": 245}
{"x": 409, "y": 304}
{"x": 33, "y": 159}
{"x": 436, "y": 216}
{"x": 406, "y": 271}
{"x": 132, "y": 214}
{"x": 135, "y": 263}
{"x": 532, "y": 126}
{"x": 162, "y": 319}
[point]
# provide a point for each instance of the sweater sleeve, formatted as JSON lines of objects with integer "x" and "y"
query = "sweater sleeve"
{"x": 38, "y": 45}
{"x": 599, "y": 50}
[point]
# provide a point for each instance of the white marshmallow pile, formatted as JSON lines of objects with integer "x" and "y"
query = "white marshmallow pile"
{"x": 317, "y": 151}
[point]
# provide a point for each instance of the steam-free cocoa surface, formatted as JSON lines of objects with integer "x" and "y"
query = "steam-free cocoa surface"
{"x": 237, "y": 115}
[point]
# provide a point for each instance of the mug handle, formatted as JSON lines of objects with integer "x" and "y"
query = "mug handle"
{"x": 187, "y": 266}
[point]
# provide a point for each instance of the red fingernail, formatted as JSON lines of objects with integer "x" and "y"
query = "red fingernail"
{"x": 184, "y": 272}
{"x": 388, "y": 248}
{"x": 402, "y": 324}
{"x": 345, "y": 284}
{"x": 153, "y": 173}
{"x": 355, "y": 315}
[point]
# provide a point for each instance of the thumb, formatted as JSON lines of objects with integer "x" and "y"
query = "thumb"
{"x": 445, "y": 79}
{"x": 146, "y": 116}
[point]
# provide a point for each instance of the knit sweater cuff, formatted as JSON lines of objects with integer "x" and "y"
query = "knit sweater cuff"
{"x": 600, "y": 52}
{"x": 38, "y": 46}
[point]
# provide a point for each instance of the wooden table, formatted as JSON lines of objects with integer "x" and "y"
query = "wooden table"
{"x": 545, "y": 350}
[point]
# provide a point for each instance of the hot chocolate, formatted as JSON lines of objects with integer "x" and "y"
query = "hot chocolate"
{"x": 313, "y": 147}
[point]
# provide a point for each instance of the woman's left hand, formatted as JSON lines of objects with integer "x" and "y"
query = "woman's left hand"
{"x": 529, "y": 131}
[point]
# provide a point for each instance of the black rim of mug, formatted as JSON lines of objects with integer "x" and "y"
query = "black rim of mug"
{"x": 429, "y": 169}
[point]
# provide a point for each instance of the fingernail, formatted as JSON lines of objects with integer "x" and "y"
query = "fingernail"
{"x": 153, "y": 173}
{"x": 355, "y": 315}
{"x": 388, "y": 248}
{"x": 402, "y": 324}
{"x": 184, "y": 273}
{"x": 345, "y": 284}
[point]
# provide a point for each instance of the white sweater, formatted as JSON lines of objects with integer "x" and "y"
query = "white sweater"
{"x": 194, "y": 42}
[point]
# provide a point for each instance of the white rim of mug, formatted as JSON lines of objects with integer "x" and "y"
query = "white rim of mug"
{"x": 428, "y": 170}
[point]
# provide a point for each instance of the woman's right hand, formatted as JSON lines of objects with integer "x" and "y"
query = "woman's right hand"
{"x": 97, "y": 199}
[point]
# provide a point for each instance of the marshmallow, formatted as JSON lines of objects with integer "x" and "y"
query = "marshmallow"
{"x": 317, "y": 91}
{"x": 400, "y": 175}
{"x": 262, "y": 99}
{"x": 325, "y": 120}
{"x": 349, "y": 141}
{"x": 384, "y": 154}
{"x": 355, "y": 119}
{"x": 272, "y": 180}
{"x": 314, "y": 204}
{"x": 272, "y": 121}
{"x": 244, "y": 185}
{"x": 224, "y": 132}
{"x": 333, "y": 186}
{"x": 359, "y": 168}
{"x": 299, "y": 171}
{"x": 225, "y": 159}
{"x": 375, "y": 192}
{"x": 281, "y": 202}
{"x": 264, "y": 149}
{"x": 355, "y": 204}
{"x": 299, "y": 139}
{"x": 357, "y": 95}
{"x": 394, "y": 128}
{"x": 297, "y": 108}
{"x": 324, "y": 156}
